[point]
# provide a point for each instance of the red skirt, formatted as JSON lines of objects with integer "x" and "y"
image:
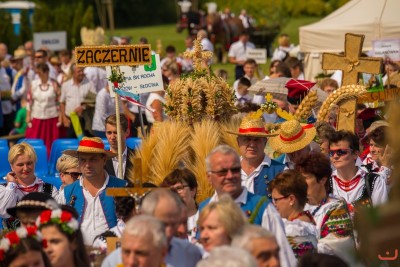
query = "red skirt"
{"x": 46, "y": 130}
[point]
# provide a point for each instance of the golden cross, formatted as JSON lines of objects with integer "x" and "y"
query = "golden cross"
{"x": 198, "y": 55}
{"x": 351, "y": 65}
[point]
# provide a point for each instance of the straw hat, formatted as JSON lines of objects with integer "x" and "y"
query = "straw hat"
{"x": 90, "y": 145}
{"x": 292, "y": 137}
{"x": 252, "y": 127}
{"x": 19, "y": 54}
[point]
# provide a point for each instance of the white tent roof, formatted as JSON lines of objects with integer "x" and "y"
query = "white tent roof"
{"x": 376, "y": 19}
{"x": 17, "y": 5}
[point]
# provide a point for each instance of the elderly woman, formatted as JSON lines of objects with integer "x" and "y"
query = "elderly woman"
{"x": 183, "y": 182}
{"x": 289, "y": 195}
{"x": 377, "y": 159}
{"x": 68, "y": 168}
{"x": 21, "y": 180}
{"x": 43, "y": 116}
{"x": 335, "y": 236}
{"x": 219, "y": 222}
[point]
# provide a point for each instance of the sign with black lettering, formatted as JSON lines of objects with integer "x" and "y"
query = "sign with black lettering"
{"x": 55, "y": 41}
{"x": 380, "y": 96}
{"x": 387, "y": 48}
{"x": 116, "y": 55}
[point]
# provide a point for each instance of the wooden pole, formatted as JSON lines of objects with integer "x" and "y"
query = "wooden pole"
{"x": 117, "y": 113}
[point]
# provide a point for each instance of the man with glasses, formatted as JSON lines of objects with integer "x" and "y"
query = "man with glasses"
{"x": 257, "y": 169}
{"x": 223, "y": 173}
{"x": 348, "y": 180}
{"x": 88, "y": 194}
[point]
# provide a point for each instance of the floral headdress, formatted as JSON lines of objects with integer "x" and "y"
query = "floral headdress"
{"x": 13, "y": 238}
{"x": 64, "y": 219}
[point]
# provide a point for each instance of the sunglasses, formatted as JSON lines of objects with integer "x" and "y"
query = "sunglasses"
{"x": 275, "y": 200}
{"x": 339, "y": 152}
{"x": 224, "y": 172}
{"x": 74, "y": 175}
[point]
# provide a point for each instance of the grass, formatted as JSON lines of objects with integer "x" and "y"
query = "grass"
{"x": 168, "y": 35}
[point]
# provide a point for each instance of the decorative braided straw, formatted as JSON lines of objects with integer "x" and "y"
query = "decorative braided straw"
{"x": 252, "y": 127}
{"x": 292, "y": 137}
{"x": 33, "y": 203}
{"x": 90, "y": 145}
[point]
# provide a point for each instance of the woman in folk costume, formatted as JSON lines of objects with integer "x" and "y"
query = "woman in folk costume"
{"x": 377, "y": 160}
{"x": 350, "y": 181}
{"x": 289, "y": 195}
{"x": 43, "y": 115}
{"x": 331, "y": 215}
{"x": 21, "y": 180}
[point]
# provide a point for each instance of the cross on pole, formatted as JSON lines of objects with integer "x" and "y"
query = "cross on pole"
{"x": 197, "y": 55}
{"x": 351, "y": 64}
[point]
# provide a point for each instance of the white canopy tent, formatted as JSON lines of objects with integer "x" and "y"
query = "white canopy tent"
{"x": 376, "y": 19}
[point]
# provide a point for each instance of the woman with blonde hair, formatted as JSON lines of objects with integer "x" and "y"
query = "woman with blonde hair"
{"x": 219, "y": 222}
{"x": 21, "y": 181}
{"x": 67, "y": 166}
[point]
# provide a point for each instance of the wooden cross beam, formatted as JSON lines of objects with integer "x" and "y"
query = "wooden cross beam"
{"x": 351, "y": 64}
{"x": 197, "y": 55}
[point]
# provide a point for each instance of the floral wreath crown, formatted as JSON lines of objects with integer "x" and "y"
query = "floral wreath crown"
{"x": 13, "y": 238}
{"x": 64, "y": 219}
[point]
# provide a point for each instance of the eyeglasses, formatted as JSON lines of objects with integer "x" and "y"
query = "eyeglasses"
{"x": 275, "y": 200}
{"x": 178, "y": 188}
{"x": 39, "y": 56}
{"x": 224, "y": 172}
{"x": 339, "y": 152}
{"x": 266, "y": 255}
{"x": 74, "y": 175}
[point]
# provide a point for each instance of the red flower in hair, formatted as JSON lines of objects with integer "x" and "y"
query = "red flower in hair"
{"x": 44, "y": 243}
{"x": 65, "y": 216}
{"x": 45, "y": 216}
{"x": 31, "y": 230}
{"x": 13, "y": 237}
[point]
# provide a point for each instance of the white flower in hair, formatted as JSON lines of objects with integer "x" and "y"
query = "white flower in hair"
{"x": 56, "y": 213}
{"x": 22, "y": 232}
{"x": 73, "y": 224}
{"x": 5, "y": 244}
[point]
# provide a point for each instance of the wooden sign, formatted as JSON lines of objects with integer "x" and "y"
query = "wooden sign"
{"x": 116, "y": 55}
{"x": 381, "y": 96}
{"x": 351, "y": 64}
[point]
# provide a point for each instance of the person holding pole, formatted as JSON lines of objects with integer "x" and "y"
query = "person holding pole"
{"x": 127, "y": 154}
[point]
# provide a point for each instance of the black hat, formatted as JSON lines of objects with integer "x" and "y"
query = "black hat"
{"x": 33, "y": 201}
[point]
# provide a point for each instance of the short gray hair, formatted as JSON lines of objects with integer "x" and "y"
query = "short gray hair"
{"x": 222, "y": 149}
{"x": 244, "y": 237}
{"x": 146, "y": 225}
{"x": 150, "y": 201}
{"x": 226, "y": 256}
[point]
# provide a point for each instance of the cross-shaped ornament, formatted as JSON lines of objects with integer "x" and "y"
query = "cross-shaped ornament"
{"x": 351, "y": 64}
{"x": 198, "y": 55}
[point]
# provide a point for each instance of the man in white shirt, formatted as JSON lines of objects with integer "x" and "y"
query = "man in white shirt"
{"x": 112, "y": 165}
{"x": 223, "y": 173}
{"x": 73, "y": 93}
{"x": 88, "y": 194}
{"x": 237, "y": 53}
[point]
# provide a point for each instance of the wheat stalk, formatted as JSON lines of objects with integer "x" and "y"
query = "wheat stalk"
{"x": 306, "y": 105}
{"x": 345, "y": 92}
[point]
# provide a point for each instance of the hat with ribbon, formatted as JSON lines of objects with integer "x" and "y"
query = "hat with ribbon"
{"x": 90, "y": 145}
{"x": 32, "y": 202}
{"x": 297, "y": 90}
{"x": 292, "y": 137}
{"x": 253, "y": 125}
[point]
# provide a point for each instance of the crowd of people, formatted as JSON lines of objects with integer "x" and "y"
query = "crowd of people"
{"x": 284, "y": 198}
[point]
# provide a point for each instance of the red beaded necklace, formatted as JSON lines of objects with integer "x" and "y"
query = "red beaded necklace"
{"x": 348, "y": 186}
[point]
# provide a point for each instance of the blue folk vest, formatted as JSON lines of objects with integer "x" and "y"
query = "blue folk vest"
{"x": 253, "y": 209}
{"x": 266, "y": 175}
{"x": 74, "y": 197}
